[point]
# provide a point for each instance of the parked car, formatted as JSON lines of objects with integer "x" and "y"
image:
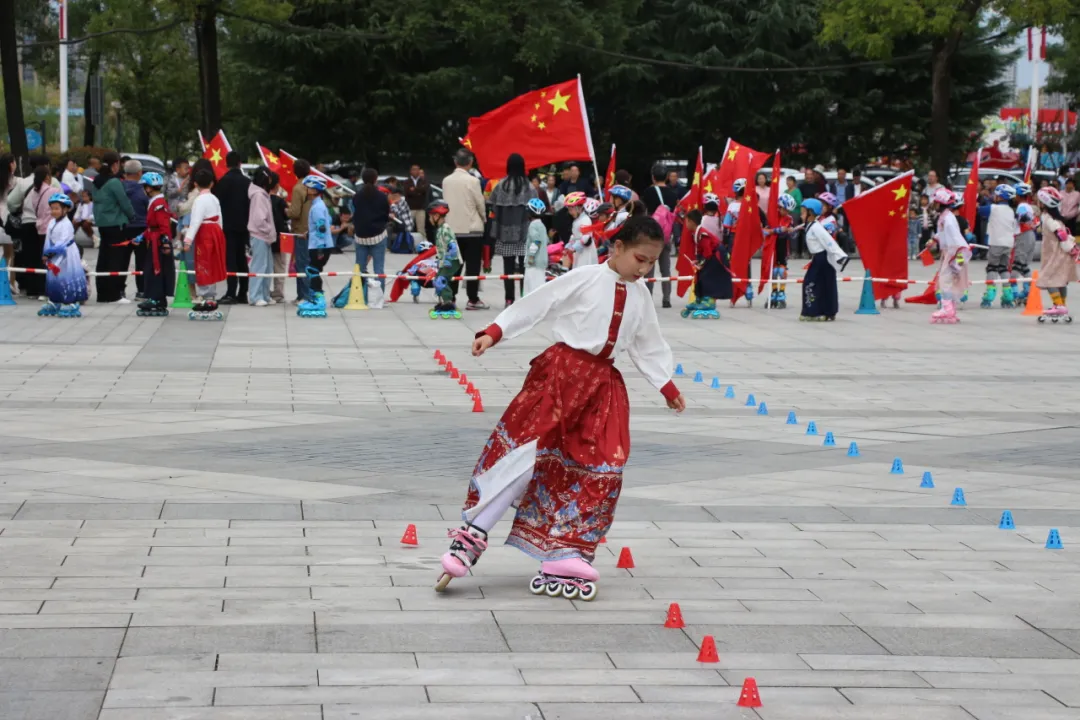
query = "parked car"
{"x": 150, "y": 163}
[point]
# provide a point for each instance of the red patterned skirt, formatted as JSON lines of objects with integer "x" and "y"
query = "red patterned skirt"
{"x": 209, "y": 254}
{"x": 574, "y": 405}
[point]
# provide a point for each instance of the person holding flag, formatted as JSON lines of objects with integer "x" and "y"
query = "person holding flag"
{"x": 821, "y": 301}
{"x": 712, "y": 274}
{"x": 782, "y": 236}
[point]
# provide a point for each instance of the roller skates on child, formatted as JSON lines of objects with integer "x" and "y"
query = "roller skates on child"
{"x": 467, "y": 544}
{"x": 778, "y": 300}
{"x": 445, "y": 311}
{"x": 946, "y": 315}
{"x": 749, "y": 297}
{"x": 706, "y": 310}
{"x": 573, "y": 579}
{"x": 989, "y": 296}
{"x": 315, "y": 307}
{"x": 1056, "y": 313}
{"x": 70, "y": 310}
{"x": 203, "y": 309}
{"x": 414, "y": 288}
{"x": 49, "y": 309}
{"x": 152, "y": 308}
{"x": 1008, "y": 297}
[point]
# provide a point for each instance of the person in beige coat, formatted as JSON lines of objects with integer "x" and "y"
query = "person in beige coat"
{"x": 463, "y": 194}
{"x": 1059, "y": 254}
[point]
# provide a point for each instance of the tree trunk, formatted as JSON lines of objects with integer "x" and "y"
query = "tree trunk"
{"x": 940, "y": 87}
{"x": 209, "y": 82}
{"x": 144, "y": 137}
{"x": 9, "y": 60}
{"x": 89, "y": 134}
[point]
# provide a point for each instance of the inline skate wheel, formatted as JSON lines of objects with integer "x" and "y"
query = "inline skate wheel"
{"x": 569, "y": 592}
{"x": 1042, "y": 319}
{"x": 1068, "y": 319}
{"x": 415, "y": 299}
{"x": 537, "y": 586}
{"x": 685, "y": 313}
{"x": 1054, "y": 320}
{"x": 553, "y": 589}
{"x": 444, "y": 580}
{"x": 588, "y": 592}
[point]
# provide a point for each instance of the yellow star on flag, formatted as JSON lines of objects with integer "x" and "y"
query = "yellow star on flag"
{"x": 559, "y": 103}
{"x": 271, "y": 158}
{"x": 776, "y": 180}
{"x": 543, "y": 93}
{"x": 536, "y": 106}
{"x": 900, "y": 193}
{"x": 534, "y": 118}
{"x": 215, "y": 156}
{"x": 708, "y": 187}
{"x": 697, "y": 179}
{"x": 468, "y": 143}
{"x": 732, "y": 153}
{"x": 892, "y": 213}
{"x": 541, "y": 125}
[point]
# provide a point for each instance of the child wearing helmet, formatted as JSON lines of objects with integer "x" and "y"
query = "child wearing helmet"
{"x": 712, "y": 275}
{"x": 782, "y": 246}
{"x": 1001, "y": 230}
{"x": 65, "y": 280}
{"x": 536, "y": 256}
{"x": 205, "y": 234}
{"x": 320, "y": 241}
{"x": 447, "y": 260}
{"x": 1059, "y": 255}
{"x": 820, "y": 301}
{"x": 954, "y": 252}
{"x": 581, "y": 244}
{"x": 1027, "y": 221}
{"x": 620, "y": 196}
{"x": 158, "y": 270}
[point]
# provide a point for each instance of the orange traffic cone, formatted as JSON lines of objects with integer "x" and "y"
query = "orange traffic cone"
{"x": 750, "y": 697}
{"x": 1034, "y": 302}
{"x": 674, "y": 617}
{"x": 477, "y": 405}
{"x": 626, "y": 560}
{"x": 708, "y": 651}
{"x": 409, "y": 538}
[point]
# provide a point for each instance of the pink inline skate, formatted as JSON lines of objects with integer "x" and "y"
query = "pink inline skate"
{"x": 467, "y": 544}
{"x": 1056, "y": 313}
{"x": 946, "y": 315}
{"x": 572, "y": 578}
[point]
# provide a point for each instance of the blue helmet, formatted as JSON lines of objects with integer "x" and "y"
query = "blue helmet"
{"x": 813, "y": 205}
{"x": 739, "y": 186}
{"x": 622, "y": 192}
{"x": 152, "y": 179}
{"x": 315, "y": 183}
{"x": 787, "y": 202}
{"x": 537, "y": 206}
{"x": 1023, "y": 189}
{"x": 60, "y": 198}
{"x": 1004, "y": 192}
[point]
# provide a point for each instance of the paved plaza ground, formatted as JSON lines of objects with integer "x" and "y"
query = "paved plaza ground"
{"x": 201, "y": 521}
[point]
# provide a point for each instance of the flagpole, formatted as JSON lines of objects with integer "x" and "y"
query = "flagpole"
{"x": 588, "y": 137}
{"x": 64, "y": 77}
{"x": 262, "y": 157}
{"x": 202, "y": 142}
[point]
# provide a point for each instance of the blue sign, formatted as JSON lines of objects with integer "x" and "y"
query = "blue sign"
{"x": 33, "y": 139}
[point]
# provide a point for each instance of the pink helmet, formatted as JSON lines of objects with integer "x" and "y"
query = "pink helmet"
{"x": 944, "y": 196}
{"x": 591, "y": 205}
{"x": 1049, "y": 197}
{"x": 828, "y": 198}
{"x": 574, "y": 199}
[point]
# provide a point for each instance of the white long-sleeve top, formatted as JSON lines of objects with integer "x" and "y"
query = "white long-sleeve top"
{"x": 583, "y": 254}
{"x": 818, "y": 240}
{"x": 582, "y": 303}
{"x": 1001, "y": 226}
{"x": 206, "y": 206}
{"x": 949, "y": 237}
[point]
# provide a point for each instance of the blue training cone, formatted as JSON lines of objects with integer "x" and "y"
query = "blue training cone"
{"x": 762, "y": 410}
{"x": 867, "y": 305}
{"x": 811, "y": 428}
{"x": 830, "y": 441}
{"x": 715, "y": 384}
{"x": 1006, "y": 521}
{"x": 958, "y": 497}
{"x": 679, "y": 371}
{"x": 730, "y": 392}
{"x": 791, "y": 418}
{"x": 853, "y": 450}
{"x": 750, "y": 401}
{"x": 897, "y": 467}
{"x": 927, "y": 480}
{"x": 5, "y": 284}
{"x": 698, "y": 377}
{"x": 1053, "y": 540}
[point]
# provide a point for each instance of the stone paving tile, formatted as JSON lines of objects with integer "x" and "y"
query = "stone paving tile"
{"x": 51, "y": 705}
{"x": 250, "y": 638}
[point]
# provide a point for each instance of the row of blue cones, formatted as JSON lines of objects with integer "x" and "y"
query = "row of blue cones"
{"x": 1053, "y": 540}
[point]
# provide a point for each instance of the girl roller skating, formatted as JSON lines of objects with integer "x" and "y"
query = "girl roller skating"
{"x": 205, "y": 233}
{"x": 821, "y": 301}
{"x": 448, "y": 261}
{"x": 558, "y": 451}
{"x": 65, "y": 279}
{"x": 1059, "y": 256}
{"x": 955, "y": 253}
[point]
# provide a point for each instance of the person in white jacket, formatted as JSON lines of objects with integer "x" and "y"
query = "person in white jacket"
{"x": 1001, "y": 231}
{"x": 820, "y": 298}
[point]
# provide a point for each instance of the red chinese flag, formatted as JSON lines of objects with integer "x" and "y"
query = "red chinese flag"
{"x": 971, "y": 192}
{"x": 545, "y": 126}
{"x": 215, "y": 151}
{"x": 772, "y": 215}
{"x": 748, "y": 240}
{"x": 287, "y": 172}
{"x": 609, "y": 179}
{"x": 687, "y": 252}
{"x": 739, "y": 161}
{"x": 879, "y": 220}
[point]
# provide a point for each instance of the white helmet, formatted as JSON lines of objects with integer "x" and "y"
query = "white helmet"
{"x": 739, "y": 186}
{"x": 1049, "y": 197}
{"x": 787, "y": 202}
{"x": 591, "y": 204}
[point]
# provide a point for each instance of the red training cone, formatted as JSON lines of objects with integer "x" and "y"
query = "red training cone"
{"x": 470, "y": 390}
{"x": 441, "y": 359}
{"x": 437, "y": 354}
{"x": 464, "y": 379}
{"x": 674, "y": 617}
{"x": 708, "y": 652}
{"x": 478, "y": 405}
{"x": 454, "y": 374}
{"x": 626, "y": 560}
{"x": 750, "y": 697}
{"x": 449, "y": 366}
{"x": 409, "y": 538}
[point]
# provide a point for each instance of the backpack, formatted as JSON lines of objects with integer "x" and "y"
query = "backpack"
{"x": 664, "y": 216}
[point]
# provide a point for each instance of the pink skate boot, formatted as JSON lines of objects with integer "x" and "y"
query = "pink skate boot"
{"x": 946, "y": 315}
{"x": 467, "y": 544}
{"x": 1056, "y": 313}
{"x": 572, "y": 578}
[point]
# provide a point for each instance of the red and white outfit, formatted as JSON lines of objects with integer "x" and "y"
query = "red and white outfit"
{"x": 209, "y": 242}
{"x": 559, "y": 450}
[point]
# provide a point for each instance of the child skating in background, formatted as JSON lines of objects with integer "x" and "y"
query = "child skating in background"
{"x": 320, "y": 241}
{"x": 712, "y": 276}
{"x": 574, "y": 203}
{"x": 1001, "y": 230}
{"x": 582, "y": 242}
{"x": 1059, "y": 255}
{"x": 955, "y": 253}
{"x": 782, "y": 246}
{"x": 1024, "y": 248}
{"x": 447, "y": 260}
{"x": 65, "y": 279}
{"x": 536, "y": 242}
{"x": 558, "y": 451}
{"x": 204, "y": 233}
{"x": 821, "y": 301}
{"x": 159, "y": 272}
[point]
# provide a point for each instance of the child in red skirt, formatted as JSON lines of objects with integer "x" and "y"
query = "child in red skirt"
{"x": 558, "y": 451}
{"x": 209, "y": 239}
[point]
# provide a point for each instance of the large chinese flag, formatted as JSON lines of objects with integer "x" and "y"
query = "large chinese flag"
{"x": 739, "y": 161}
{"x": 544, "y": 126}
{"x": 687, "y": 252}
{"x": 879, "y": 221}
{"x": 772, "y": 214}
{"x": 287, "y": 178}
{"x": 971, "y": 193}
{"x": 215, "y": 151}
{"x": 748, "y": 240}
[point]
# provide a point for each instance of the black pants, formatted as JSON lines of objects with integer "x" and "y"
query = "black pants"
{"x": 236, "y": 244}
{"x": 130, "y": 233}
{"x": 113, "y": 256}
{"x": 513, "y": 265}
{"x": 29, "y": 256}
{"x": 316, "y": 259}
{"x": 471, "y": 246}
{"x": 162, "y": 284}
